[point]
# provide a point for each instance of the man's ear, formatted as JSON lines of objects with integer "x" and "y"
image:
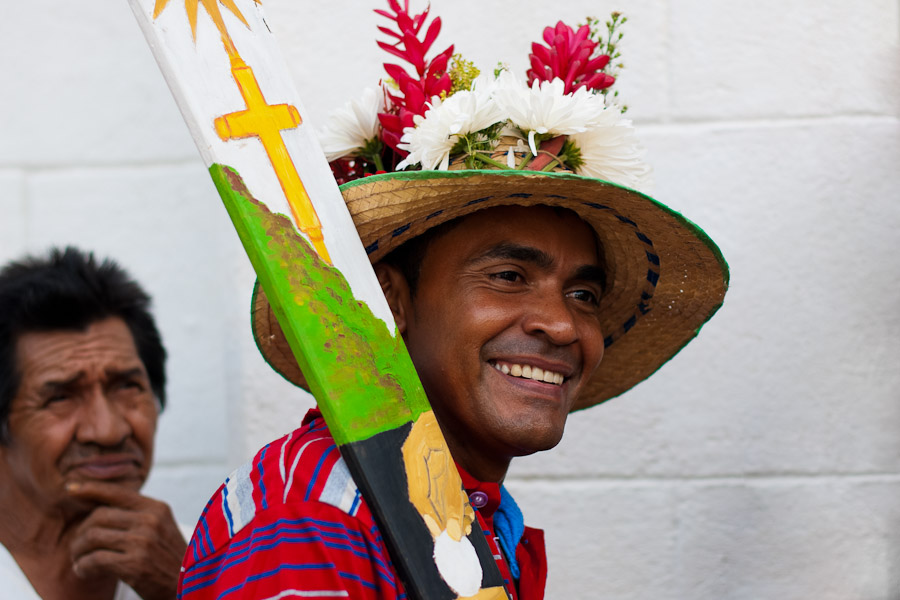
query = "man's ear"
{"x": 396, "y": 291}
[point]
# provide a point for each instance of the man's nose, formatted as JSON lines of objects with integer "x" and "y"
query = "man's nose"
{"x": 549, "y": 314}
{"x": 101, "y": 420}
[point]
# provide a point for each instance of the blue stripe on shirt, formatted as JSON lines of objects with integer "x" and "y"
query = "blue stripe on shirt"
{"x": 304, "y": 530}
{"x": 315, "y": 475}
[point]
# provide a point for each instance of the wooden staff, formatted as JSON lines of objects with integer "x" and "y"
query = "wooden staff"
{"x": 245, "y": 117}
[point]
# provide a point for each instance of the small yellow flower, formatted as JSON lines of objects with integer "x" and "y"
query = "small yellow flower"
{"x": 462, "y": 73}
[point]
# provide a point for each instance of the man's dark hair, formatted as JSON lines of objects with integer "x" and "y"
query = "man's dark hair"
{"x": 408, "y": 256}
{"x": 69, "y": 290}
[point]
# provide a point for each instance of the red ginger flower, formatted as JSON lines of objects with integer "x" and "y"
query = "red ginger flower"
{"x": 568, "y": 57}
{"x": 433, "y": 79}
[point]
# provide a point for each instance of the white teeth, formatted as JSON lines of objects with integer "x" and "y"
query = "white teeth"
{"x": 529, "y": 372}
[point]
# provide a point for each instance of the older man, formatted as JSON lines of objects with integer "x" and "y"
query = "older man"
{"x": 82, "y": 376}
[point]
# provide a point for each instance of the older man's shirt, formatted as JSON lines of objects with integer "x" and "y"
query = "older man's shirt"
{"x": 291, "y": 523}
{"x": 16, "y": 586}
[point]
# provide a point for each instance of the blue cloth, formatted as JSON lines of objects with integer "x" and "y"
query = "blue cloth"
{"x": 509, "y": 525}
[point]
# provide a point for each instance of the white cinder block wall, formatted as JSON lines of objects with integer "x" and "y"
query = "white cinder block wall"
{"x": 762, "y": 463}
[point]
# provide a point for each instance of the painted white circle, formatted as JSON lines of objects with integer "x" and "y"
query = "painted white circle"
{"x": 458, "y": 564}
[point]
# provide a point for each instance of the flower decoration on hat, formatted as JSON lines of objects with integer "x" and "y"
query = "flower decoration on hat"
{"x": 442, "y": 113}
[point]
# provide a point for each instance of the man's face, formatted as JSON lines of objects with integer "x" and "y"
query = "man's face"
{"x": 84, "y": 410}
{"x": 508, "y": 290}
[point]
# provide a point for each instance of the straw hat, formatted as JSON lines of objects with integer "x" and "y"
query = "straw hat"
{"x": 665, "y": 276}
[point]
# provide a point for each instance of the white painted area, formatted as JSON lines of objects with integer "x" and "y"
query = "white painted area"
{"x": 761, "y": 463}
{"x": 458, "y": 564}
{"x": 199, "y": 75}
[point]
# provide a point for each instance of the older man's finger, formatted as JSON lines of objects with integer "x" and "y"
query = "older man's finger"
{"x": 137, "y": 540}
{"x": 100, "y": 563}
{"x": 112, "y": 517}
{"x": 105, "y": 492}
{"x": 113, "y": 529}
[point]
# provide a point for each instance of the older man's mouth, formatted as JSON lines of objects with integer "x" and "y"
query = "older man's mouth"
{"x": 525, "y": 371}
{"x": 108, "y": 467}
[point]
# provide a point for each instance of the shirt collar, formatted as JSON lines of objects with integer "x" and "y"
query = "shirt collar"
{"x": 484, "y": 496}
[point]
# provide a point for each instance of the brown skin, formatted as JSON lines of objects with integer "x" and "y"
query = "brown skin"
{"x": 80, "y": 447}
{"x": 508, "y": 285}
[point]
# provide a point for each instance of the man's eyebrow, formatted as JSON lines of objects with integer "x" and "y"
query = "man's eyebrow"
{"x": 58, "y": 384}
{"x": 115, "y": 374}
{"x": 510, "y": 251}
{"x": 592, "y": 274}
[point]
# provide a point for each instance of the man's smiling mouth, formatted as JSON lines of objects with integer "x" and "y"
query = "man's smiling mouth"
{"x": 529, "y": 372}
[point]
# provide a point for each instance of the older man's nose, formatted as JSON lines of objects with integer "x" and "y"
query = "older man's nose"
{"x": 101, "y": 420}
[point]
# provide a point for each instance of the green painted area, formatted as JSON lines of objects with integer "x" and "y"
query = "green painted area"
{"x": 361, "y": 375}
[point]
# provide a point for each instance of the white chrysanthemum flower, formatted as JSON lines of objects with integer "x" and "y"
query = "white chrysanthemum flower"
{"x": 353, "y": 125}
{"x": 435, "y": 134}
{"x": 610, "y": 150}
{"x": 543, "y": 108}
{"x": 430, "y": 141}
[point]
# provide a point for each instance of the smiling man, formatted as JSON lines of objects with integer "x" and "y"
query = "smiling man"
{"x": 521, "y": 297}
{"x": 502, "y": 320}
{"x": 81, "y": 384}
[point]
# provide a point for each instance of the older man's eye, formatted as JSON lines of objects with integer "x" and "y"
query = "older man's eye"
{"x": 56, "y": 398}
{"x": 132, "y": 384}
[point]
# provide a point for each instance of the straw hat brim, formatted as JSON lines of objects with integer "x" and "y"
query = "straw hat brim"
{"x": 665, "y": 276}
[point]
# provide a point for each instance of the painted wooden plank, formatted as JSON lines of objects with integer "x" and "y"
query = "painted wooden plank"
{"x": 232, "y": 86}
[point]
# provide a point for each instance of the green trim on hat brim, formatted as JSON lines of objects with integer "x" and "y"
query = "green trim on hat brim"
{"x": 686, "y": 223}
{"x": 661, "y": 365}
{"x": 388, "y": 185}
{"x": 463, "y": 173}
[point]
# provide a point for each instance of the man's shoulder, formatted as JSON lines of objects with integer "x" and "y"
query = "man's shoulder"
{"x": 301, "y": 474}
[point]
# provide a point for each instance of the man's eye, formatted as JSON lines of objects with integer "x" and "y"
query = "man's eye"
{"x": 585, "y": 296}
{"x": 56, "y": 398}
{"x": 507, "y": 276}
{"x": 132, "y": 385}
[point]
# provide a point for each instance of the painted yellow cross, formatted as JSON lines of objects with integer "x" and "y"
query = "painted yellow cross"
{"x": 266, "y": 122}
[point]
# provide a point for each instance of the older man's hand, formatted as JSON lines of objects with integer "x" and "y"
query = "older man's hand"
{"x": 130, "y": 536}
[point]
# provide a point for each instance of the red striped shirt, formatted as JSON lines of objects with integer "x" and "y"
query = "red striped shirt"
{"x": 291, "y": 524}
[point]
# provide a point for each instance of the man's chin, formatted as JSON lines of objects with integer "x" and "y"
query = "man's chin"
{"x": 536, "y": 440}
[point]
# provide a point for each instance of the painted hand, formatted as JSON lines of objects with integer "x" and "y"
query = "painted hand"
{"x": 429, "y": 466}
{"x": 445, "y": 508}
{"x": 130, "y": 536}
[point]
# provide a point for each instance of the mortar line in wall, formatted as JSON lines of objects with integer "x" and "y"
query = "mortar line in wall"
{"x": 26, "y": 214}
{"x": 651, "y": 125}
{"x": 784, "y": 477}
{"x": 780, "y": 122}
{"x": 206, "y": 462}
{"x": 667, "y": 83}
{"x": 30, "y": 169}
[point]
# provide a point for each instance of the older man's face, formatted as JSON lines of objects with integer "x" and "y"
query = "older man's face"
{"x": 84, "y": 410}
{"x": 504, "y": 329}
